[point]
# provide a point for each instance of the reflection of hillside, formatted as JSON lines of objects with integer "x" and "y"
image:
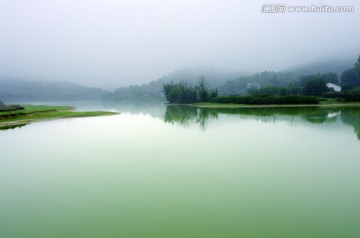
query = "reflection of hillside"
{"x": 10, "y": 127}
{"x": 310, "y": 114}
{"x": 186, "y": 115}
{"x": 351, "y": 117}
{"x": 153, "y": 107}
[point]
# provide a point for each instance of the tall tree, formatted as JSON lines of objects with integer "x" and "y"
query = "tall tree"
{"x": 349, "y": 78}
{"x": 315, "y": 87}
{"x": 357, "y": 68}
{"x": 203, "y": 93}
{"x": 330, "y": 77}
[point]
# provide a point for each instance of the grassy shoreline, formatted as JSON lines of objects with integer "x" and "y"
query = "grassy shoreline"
{"x": 34, "y": 113}
{"x": 230, "y": 105}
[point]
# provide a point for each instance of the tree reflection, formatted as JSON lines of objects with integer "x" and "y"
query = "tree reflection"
{"x": 11, "y": 127}
{"x": 189, "y": 115}
{"x": 351, "y": 117}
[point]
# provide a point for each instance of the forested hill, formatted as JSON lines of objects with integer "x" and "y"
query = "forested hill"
{"x": 228, "y": 83}
{"x": 291, "y": 76}
{"x": 232, "y": 82}
{"x": 214, "y": 78}
{"x": 13, "y": 90}
{"x": 332, "y": 65}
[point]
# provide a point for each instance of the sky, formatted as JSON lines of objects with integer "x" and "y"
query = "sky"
{"x": 114, "y": 43}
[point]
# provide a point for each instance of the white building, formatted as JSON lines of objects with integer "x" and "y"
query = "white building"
{"x": 334, "y": 87}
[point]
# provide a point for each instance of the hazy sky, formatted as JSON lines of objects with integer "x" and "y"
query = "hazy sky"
{"x": 121, "y": 42}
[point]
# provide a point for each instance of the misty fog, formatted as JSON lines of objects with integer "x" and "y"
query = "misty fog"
{"x": 111, "y": 43}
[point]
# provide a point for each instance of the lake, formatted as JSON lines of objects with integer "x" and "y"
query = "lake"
{"x": 178, "y": 171}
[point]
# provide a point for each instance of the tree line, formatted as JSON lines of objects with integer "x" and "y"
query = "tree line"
{"x": 184, "y": 92}
{"x": 266, "y": 100}
{"x": 290, "y": 83}
{"x": 306, "y": 90}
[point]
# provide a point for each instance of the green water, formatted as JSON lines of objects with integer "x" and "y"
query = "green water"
{"x": 184, "y": 172}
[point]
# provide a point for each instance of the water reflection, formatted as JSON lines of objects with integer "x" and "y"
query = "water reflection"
{"x": 11, "y": 127}
{"x": 153, "y": 107}
{"x": 351, "y": 117}
{"x": 187, "y": 115}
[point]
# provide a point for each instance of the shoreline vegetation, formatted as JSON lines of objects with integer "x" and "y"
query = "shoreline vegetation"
{"x": 232, "y": 105}
{"x": 313, "y": 102}
{"x": 308, "y": 90}
{"x": 321, "y": 103}
{"x": 35, "y": 113}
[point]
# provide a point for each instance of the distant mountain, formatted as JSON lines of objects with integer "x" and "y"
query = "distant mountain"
{"x": 333, "y": 65}
{"x": 214, "y": 78}
{"x": 228, "y": 83}
{"x": 14, "y": 90}
{"x": 241, "y": 85}
{"x": 283, "y": 78}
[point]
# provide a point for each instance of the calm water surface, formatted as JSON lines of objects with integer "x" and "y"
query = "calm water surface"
{"x": 157, "y": 171}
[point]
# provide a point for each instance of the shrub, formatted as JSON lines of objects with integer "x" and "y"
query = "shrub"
{"x": 266, "y": 100}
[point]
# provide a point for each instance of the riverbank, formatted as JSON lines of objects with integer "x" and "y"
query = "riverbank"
{"x": 33, "y": 113}
{"x": 230, "y": 105}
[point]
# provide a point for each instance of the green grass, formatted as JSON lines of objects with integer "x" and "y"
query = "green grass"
{"x": 218, "y": 105}
{"x": 41, "y": 112}
{"x": 323, "y": 103}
